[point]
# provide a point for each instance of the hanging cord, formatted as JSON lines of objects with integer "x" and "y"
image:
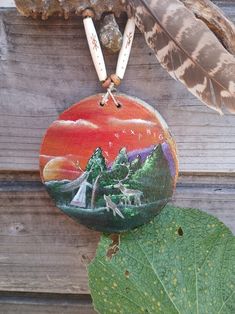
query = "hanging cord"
{"x": 114, "y": 80}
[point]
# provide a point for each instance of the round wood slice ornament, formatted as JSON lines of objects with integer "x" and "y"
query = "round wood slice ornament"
{"x": 109, "y": 168}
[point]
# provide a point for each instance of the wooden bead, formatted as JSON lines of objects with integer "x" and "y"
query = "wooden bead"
{"x": 115, "y": 79}
{"x": 88, "y": 13}
{"x": 106, "y": 83}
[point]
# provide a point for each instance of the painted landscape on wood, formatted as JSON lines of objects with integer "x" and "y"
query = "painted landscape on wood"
{"x": 111, "y": 169}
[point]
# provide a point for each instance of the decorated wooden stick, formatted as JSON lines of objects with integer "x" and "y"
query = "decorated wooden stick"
{"x": 94, "y": 46}
{"x": 98, "y": 58}
{"x": 126, "y": 48}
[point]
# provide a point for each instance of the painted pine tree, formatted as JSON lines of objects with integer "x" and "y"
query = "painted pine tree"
{"x": 96, "y": 164}
{"x": 121, "y": 159}
{"x": 154, "y": 178}
{"x": 136, "y": 164}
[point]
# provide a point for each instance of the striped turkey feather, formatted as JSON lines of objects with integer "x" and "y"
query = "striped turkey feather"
{"x": 188, "y": 50}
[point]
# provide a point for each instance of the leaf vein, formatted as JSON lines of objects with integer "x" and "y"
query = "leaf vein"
{"x": 226, "y": 301}
{"x": 153, "y": 268}
{"x": 123, "y": 295}
{"x": 210, "y": 251}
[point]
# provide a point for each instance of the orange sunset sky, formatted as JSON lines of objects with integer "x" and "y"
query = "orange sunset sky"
{"x": 85, "y": 126}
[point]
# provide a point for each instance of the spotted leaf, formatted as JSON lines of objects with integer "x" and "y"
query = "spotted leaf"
{"x": 182, "y": 262}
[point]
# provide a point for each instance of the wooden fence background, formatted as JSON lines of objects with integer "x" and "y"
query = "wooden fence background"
{"x": 45, "y": 67}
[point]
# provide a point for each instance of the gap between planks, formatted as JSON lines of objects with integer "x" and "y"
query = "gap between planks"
{"x": 41, "y": 303}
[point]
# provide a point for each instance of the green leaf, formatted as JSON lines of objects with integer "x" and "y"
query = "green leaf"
{"x": 182, "y": 262}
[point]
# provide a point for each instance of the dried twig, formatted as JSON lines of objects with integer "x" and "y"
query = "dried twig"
{"x": 203, "y": 9}
{"x": 46, "y": 8}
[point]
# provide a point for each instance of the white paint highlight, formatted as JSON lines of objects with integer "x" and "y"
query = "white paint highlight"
{"x": 79, "y": 122}
{"x": 131, "y": 121}
{"x": 117, "y": 135}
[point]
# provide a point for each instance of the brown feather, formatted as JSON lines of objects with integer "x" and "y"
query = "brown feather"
{"x": 188, "y": 50}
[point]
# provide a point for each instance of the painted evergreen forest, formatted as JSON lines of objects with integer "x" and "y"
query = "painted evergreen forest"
{"x": 107, "y": 187}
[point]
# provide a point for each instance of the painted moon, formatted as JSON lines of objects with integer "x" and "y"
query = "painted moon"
{"x": 111, "y": 169}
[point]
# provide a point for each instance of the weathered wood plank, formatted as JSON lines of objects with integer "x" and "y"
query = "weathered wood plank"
{"x": 45, "y": 67}
{"x": 20, "y": 308}
{"x": 7, "y": 3}
{"x": 28, "y": 303}
{"x": 42, "y": 250}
